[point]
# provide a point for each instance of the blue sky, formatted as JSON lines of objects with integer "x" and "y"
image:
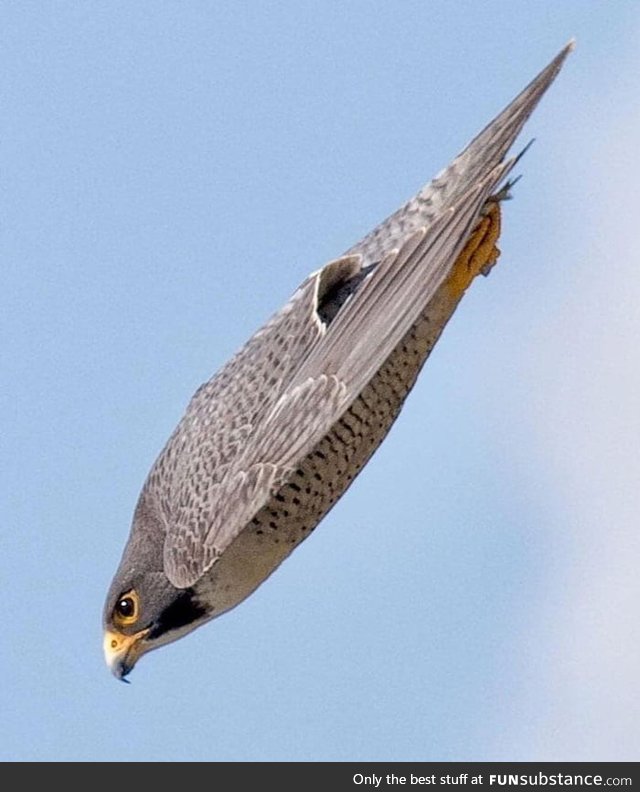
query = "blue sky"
{"x": 170, "y": 173}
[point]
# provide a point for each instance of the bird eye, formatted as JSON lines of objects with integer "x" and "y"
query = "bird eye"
{"x": 126, "y": 608}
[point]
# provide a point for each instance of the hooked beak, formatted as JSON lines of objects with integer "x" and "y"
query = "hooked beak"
{"x": 122, "y": 652}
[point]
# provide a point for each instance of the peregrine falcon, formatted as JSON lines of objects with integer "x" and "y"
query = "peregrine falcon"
{"x": 269, "y": 444}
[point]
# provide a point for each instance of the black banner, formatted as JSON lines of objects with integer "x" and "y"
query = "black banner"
{"x": 367, "y": 776}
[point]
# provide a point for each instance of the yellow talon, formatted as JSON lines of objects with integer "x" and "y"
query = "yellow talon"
{"x": 478, "y": 255}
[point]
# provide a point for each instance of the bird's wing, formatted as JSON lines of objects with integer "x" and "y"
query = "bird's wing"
{"x": 246, "y": 430}
{"x": 488, "y": 146}
{"x": 339, "y": 364}
{"x": 223, "y": 416}
{"x": 225, "y": 411}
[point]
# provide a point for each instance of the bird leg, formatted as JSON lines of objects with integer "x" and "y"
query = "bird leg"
{"x": 479, "y": 254}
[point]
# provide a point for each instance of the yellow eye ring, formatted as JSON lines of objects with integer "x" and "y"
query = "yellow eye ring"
{"x": 126, "y": 609}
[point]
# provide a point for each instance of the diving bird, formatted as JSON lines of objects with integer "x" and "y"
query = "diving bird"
{"x": 269, "y": 444}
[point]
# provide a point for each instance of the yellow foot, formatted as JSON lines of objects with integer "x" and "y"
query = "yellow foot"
{"x": 479, "y": 254}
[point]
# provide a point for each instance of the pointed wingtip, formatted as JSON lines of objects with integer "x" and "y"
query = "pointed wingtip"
{"x": 484, "y": 151}
{"x": 499, "y": 134}
{"x": 548, "y": 74}
{"x": 565, "y": 52}
{"x": 539, "y": 84}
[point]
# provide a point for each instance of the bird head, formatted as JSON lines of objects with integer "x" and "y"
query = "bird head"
{"x": 143, "y": 610}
